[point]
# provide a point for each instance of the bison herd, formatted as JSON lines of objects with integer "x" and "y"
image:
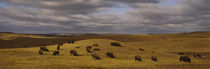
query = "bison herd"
{"x": 89, "y": 49}
{"x": 185, "y": 58}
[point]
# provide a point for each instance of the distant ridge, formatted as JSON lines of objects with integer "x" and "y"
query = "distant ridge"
{"x": 100, "y": 33}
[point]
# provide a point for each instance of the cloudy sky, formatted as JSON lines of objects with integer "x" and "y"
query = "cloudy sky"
{"x": 104, "y": 16}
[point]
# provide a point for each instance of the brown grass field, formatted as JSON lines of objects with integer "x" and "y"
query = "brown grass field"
{"x": 20, "y": 51}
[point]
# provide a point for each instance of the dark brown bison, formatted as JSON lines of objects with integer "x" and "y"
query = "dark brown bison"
{"x": 185, "y": 59}
{"x": 55, "y": 52}
{"x": 71, "y": 42}
{"x": 154, "y": 58}
{"x": 77, "y": 47}
{"x": 40, "y": 52}
{"x": 74, "y": 53}
{"x": 116, "y": 44}
{"x": 181, "y": 53}
{"x": 141, "y": 49}
{"x": 95, "y": 44}
{"x": 110, "y": 55}
{"x": 96, "y": 49}
{"x": 137, "y": 58}
{"x": 44, "y": 48}
{"x": 88, "y": 49}
{"x": 58, "y": 47}
{"x": 96, "y": 56}
{"x": 197, "y": 55}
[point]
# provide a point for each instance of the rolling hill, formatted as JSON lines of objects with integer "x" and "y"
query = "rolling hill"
{"x": 165, "y": 46}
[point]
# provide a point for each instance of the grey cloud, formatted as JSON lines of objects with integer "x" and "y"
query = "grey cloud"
{"x": 189, "y": 15}
{"x": 65, "y": 6}
{"x": 74, "y": 6}
{"x": 85, "y": 16}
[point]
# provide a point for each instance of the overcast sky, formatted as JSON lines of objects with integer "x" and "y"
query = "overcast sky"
{"x": 104, "y": 16}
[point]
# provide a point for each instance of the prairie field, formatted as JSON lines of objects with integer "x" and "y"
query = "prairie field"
{"x": 24, "y": 53}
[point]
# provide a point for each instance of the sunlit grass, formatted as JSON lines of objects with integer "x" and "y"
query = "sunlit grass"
{"x": 165, "y": 49}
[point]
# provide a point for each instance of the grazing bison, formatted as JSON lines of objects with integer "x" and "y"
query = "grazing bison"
{"x": 96, "y": 49}
{"x": 197, "y": 55}
{"x": 88, "y": 47}
{"x": 44, "y": 48}
{"x": 154, "y": 58}
{"x": 58, "y": 47}
{"x": 116, "y": 44}
{"x": 88, "y": 50}
{"x": 77, "y": 47}
{"x": 95, "y": 44}
{"x": 110, "y": 55}
{"x": 71, "y": 42}
{"x": 185, "y": 59}
{"x": 137, "y": 58}
{"x": 40, "y": 52}
{"x": 56, "y": 53}
{"x": 74, "y": 53}
{"x": 141, "y": 49}
{"x": 181, "y": 53}
{"x": 96, "y": 56}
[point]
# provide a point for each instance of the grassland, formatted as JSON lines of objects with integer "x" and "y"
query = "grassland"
{"x": 165, "y": 47}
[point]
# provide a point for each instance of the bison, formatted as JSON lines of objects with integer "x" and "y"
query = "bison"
{"x": 40, "y": 52}
{"x": 96, "y": 49}
{"x": 181, "y": 53}
{"x": 77, "y": 47}
{"x": 96, "y": 56}
{"x": 197, "y": 55}
{"x": 56, "y": 53}
{"x": 116, "y": 44}
{"x": 185, "y": 59}
{"x": 58, "y": 47}
{"x": 141, "y": 49}
{"x": 137, "y": 58}
{"x": 74, "y": 53}
{"x": 44, "y": 48}
{"x": 110, "y": 55}
{"x": 71, "y": 42}
{"x": 95, "y": 44}
{"x": 88, "y": 49}
{"x": 154, "y": 58}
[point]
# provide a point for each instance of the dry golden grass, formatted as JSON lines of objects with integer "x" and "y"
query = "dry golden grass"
{"x": 165, "y": 47}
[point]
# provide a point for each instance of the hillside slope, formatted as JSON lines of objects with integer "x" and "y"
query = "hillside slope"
{"x": 165, "y": 50}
